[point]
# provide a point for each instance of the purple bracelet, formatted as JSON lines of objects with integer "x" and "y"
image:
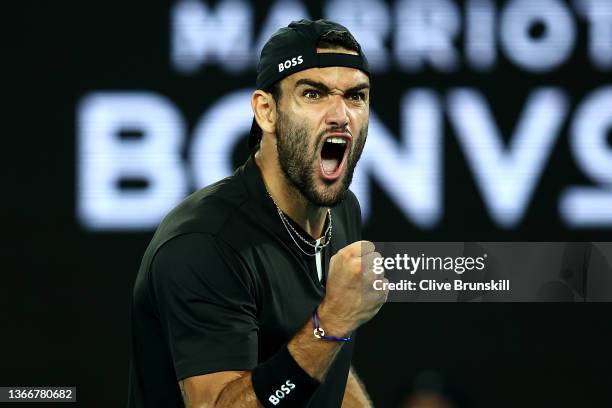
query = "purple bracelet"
{"x": 319, "y": 333}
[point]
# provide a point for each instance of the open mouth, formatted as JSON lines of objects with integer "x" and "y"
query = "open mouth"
{"x": 333, "y": 156}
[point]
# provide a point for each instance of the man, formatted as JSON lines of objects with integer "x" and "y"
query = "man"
{"x": 251, "y": 289}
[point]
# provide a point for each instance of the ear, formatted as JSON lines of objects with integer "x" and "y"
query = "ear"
{"x": 264, "y": 109}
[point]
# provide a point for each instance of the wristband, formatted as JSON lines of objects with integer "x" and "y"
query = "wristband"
{"x": 281, "y": 382}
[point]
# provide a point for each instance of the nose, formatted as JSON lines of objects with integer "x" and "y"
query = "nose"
{"x": 337, "y": 114}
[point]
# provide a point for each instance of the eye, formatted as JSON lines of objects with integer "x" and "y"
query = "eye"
{"x": 312, "y": 94}
{"x": 357, "y": 97}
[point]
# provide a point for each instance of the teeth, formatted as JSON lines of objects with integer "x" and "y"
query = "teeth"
{"x": 336, "y": 140}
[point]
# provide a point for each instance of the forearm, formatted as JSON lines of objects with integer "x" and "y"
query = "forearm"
{"x": 238, "y": 393}
{"x": 313, "y": 356}
{"x": 224, "y": 389}
{"x": 355, "y": 395}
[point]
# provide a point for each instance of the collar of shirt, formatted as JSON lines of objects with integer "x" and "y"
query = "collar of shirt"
{"x": 264, "y": 210}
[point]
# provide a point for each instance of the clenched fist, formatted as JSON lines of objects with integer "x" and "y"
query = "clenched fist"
{"x": 350, "y": 298}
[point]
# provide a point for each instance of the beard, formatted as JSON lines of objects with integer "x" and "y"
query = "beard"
{"x": 298, "y": 162}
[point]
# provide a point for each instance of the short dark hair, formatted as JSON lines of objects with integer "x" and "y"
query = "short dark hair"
{"x": 338, "y": 39}
{"x": 331, "y": 39}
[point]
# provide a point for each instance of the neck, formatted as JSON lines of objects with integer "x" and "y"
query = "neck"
{"x": 310, "y": 217}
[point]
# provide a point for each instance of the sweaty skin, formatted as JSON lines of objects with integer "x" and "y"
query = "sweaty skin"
{"x": 318, "y": 112}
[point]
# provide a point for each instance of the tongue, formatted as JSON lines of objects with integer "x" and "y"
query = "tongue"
{"x": 330, "y": 165}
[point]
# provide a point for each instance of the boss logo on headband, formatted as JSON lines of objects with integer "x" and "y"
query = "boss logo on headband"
{"x": 290, "y": 63}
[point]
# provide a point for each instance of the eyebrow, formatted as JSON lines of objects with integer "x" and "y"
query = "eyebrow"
{"x": 322, "y": 87}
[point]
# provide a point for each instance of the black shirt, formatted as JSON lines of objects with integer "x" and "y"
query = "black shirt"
{"x": 222, "y": 287}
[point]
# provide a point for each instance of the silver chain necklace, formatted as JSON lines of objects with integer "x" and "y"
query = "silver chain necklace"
{"x": 287, "y": 224}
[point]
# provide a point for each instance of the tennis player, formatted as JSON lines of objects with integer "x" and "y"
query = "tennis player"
{"x": 251, "y": 289}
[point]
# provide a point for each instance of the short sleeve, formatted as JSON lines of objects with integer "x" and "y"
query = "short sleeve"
{"x": 206, "y": 306}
